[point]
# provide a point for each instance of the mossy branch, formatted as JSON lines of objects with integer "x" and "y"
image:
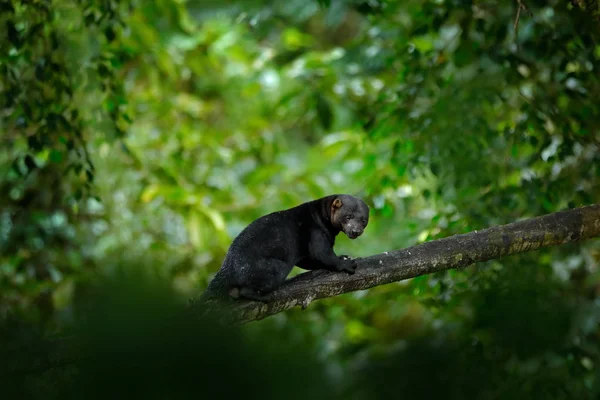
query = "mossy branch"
{"x": 438, "y": 255}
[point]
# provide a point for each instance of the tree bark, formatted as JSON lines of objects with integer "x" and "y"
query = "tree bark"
{"x": 438, "y": 255}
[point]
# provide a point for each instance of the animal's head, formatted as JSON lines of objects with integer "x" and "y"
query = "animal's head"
{"x": 350, "y": 215}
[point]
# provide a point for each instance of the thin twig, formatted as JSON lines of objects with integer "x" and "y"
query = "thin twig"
{"x": 520, "y": 7}
{"x": 516, "y": 26}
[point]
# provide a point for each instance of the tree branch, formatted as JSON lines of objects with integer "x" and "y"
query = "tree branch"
{"x": 438, "y": 255}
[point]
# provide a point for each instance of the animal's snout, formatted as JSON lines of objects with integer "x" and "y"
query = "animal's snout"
{"x": 354, "y": 233}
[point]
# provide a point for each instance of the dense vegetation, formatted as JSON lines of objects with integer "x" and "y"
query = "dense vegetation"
{"x": 140, "y": 137}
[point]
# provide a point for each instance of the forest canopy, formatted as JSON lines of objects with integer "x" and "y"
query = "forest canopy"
{"x": 139, "y": 138}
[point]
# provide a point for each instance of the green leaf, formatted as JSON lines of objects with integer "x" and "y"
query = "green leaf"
{"x": 56, "y": 156}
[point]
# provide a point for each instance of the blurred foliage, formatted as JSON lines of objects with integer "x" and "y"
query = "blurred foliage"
{"x": 150, "y": 133}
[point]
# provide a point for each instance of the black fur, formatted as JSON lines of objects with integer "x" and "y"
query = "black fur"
{"x": 263, "y": 254}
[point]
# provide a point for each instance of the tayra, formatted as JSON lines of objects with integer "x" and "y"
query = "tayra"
{"x": 263, "y": 254}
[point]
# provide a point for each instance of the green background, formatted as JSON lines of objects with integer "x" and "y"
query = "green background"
{"x": 138, "y": 138}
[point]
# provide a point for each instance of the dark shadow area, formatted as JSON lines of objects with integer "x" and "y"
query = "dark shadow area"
{"x": 132, "y": 338}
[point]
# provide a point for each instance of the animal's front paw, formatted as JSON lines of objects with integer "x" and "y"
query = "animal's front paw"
{"x": 349, "y": 265}
{"x": 344, "y": 257}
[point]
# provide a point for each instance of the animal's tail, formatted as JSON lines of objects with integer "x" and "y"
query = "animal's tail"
{"x": 216, "y": 291}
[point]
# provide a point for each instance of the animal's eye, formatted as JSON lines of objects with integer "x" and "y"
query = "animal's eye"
{"x": 349, "y": 217}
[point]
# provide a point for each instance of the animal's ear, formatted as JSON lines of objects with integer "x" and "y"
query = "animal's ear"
{"x": 337, "y": 203}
